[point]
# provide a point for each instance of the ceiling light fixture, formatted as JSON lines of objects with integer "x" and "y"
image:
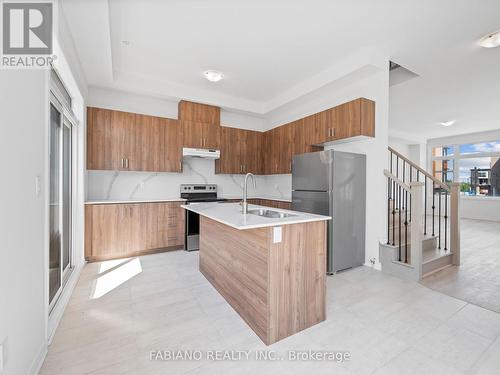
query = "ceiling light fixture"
{"x": 491, "y": 40}
{"x": 213, "y": 75}
{"x": 448, "y": 123}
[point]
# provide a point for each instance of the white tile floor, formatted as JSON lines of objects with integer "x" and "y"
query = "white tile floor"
{"x": 477, "y": 280}
{"x": 389, "y": 326}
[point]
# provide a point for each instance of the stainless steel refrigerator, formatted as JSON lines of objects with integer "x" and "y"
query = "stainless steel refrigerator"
{"x": 333, "y": 183}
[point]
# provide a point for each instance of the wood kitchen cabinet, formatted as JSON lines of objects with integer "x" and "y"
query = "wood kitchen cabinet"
{"x": 320, "y": 127}
{"x": 200, "y": 135}
{"x": 304, "y": 137}
{"x": 200, "y": 124}
{"x": 98, "y": 138}
{"x": 285, "y": 205}
{"x": 131, "y": 229}
{"x": 159, "y": 144}
{"x": 127, "y": 141}
{"x": 285, "y": 136}
{"x": 352, "y": 119}
{"x": 240, "y": 151}
{"x": 231, "y": 149}
{"x": 278, "y": 150}
{"x": 200, "y": 113}
{"x": 252, "y": 152}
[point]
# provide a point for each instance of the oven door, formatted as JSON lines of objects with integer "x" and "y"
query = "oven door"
{"x": 192, "y": 241}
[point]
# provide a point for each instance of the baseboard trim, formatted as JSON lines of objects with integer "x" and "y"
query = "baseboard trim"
{"x": 58, "y": 311}
{"x": 37, "y": 363}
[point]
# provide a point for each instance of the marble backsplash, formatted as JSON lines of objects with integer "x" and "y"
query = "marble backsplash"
{"x": 116, "y": 185}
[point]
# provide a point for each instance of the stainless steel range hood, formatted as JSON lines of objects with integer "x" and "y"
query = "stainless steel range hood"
{"x": 200, "y": 153}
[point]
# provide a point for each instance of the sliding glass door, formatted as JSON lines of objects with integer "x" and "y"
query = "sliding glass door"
{"x": 60, "y": 199}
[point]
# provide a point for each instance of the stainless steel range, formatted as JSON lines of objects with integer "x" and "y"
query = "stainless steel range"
{"x": 196, "y": 193}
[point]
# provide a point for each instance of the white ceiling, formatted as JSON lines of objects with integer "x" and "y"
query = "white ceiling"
{"x": 268, "y": 48}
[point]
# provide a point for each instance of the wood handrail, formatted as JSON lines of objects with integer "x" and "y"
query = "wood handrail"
{"x": 420, "y": 169}
{"x": 404, "y": 185}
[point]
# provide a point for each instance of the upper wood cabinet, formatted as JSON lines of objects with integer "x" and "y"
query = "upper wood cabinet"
{"x": 252, "y": 152}
{"x": 278, "y": 149}
{"x": 240, "y": 151}
{"x": 286, "y": 142}
{"x": 127, "y": 141}
{"x": 304, "y": 136}
{"x": 231, "y": 144}
{"x": 119, "y": 140}
{"x": 200, "y": 135}
{"x": 196, "y": 112}
{"x": 200, "y": 124}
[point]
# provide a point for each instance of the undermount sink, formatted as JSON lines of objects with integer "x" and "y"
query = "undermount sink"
{"x": 270, "y": 213}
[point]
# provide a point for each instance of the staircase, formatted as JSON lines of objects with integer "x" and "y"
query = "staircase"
{"x": 423, "y": 228}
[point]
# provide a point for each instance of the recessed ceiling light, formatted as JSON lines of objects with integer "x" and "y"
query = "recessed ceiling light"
{"x": 490, "y": 40}
{"x": 448, "y": 123}
{"x": 213, "y": 75}
{"x": 126, "y": 42}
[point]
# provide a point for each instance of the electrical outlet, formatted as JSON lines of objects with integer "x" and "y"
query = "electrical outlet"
{"x": 276, "y": 234}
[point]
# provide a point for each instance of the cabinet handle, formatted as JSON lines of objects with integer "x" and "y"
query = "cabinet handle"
{"x": 126, "y": 163}
{"x": 333, "y": 132}
{"x": 180, "y": 165}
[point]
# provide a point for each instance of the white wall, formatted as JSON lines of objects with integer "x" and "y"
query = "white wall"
{"x": 374, "y": 86}
{"x": 416, "y": 152}
{"x": 484, "y": 208}
{"x": 24, "y": 98}
{"x": 23, "y": 141}
{"x": 143, "y": 185}
{"x": 401, "y": 147}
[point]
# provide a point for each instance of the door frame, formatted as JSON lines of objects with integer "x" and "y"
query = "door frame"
{"x": 66, "y": 120}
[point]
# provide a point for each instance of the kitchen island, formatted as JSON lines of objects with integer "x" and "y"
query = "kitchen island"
{"x": 269, "y": 265}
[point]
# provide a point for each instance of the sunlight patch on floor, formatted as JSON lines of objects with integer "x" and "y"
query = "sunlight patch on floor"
{"x": 116, "y": 277}
{"x": 109, "y": 264}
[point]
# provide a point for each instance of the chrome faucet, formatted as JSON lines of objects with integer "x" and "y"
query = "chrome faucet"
{"x": 245, "y": 190}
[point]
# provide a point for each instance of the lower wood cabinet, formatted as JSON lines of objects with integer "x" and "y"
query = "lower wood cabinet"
{"x": 285, "y": 205}
{"x": 131, "y": 229}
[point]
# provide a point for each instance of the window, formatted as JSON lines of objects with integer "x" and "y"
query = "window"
{"x": 476, "y": 166}
{"x": 479, "y": 148}
{"x": 442, "y": 151}
{"x": 443, "y": 170}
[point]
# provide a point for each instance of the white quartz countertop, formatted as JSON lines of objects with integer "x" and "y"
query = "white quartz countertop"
{"x": 230, "y": 214}
{"x": 111, "y": 201}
